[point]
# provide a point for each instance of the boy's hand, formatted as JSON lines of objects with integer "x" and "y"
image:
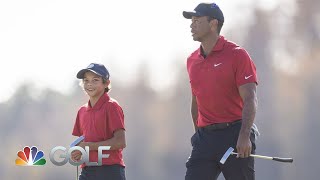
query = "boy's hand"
{"x": 76, "y": 155}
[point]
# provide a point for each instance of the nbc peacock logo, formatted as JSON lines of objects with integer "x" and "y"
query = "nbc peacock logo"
{"x": 30, "y": 157}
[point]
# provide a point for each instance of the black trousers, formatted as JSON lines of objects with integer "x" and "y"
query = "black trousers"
{"x": 105, "y": 172}
{"x": 208, "y": 147}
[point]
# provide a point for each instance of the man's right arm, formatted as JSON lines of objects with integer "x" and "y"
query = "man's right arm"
{"x": 194, "y": 112}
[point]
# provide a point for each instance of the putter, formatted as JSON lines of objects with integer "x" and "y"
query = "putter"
{"x": 230, "y": 152}
{"x": 77, "y": 177}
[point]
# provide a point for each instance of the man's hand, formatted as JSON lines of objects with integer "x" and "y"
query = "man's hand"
{"x": 243, "y": 146}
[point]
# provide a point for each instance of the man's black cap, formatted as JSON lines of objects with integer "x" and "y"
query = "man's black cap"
{"x": 205, "y": 9}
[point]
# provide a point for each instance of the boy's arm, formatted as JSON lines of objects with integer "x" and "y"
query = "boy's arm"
{"x": 118, "y": 141}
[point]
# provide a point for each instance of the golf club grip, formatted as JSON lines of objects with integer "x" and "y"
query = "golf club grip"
{"x": 288, "y": 160}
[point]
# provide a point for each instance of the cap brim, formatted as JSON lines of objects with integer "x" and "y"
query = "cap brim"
{"x": 189, "y": 14}
{"x": 80, "y": 74}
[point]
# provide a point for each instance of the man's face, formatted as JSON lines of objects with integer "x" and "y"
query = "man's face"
{"x": 200, "y": 28}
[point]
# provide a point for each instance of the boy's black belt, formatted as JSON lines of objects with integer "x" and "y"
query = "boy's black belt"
{"x": 221, "y": 125}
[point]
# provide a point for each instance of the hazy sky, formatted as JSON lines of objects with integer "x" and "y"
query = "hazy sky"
{"x": 47, "y": 42}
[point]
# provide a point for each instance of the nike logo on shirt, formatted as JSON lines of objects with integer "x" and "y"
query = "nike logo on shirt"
{"x": 215, "y": 65}
{"x": 247, "y": 77}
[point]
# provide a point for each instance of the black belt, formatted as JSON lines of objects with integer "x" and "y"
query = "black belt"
{"x": 221, "y": 125}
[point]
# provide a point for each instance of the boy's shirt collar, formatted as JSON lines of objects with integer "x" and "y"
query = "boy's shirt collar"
{"x": 105, "y": 97}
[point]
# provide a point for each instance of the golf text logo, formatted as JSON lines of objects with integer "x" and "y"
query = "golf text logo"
{"x": 30, "y": 157}
{"x": 84, "y": 156}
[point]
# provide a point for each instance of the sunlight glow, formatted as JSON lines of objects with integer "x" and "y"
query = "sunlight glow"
{"x": 47, "y": 42}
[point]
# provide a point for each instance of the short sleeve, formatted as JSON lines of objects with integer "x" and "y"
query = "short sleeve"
{"x": 189, "y": 63}
{"x": 115, "y": 117}
{"x": 77, "y": 128}
{"x": 245, "y": 70}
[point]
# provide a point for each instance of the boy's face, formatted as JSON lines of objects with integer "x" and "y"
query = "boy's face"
{"x": 93, "y": 84}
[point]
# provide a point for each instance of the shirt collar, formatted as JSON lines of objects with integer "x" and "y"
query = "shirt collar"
{"x": 105, "y": 97}
{"x": 217, "y": 47}
{"x": 220, "y": 44}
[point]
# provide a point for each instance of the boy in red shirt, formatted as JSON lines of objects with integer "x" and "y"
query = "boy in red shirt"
{"x": 101, "y": 122}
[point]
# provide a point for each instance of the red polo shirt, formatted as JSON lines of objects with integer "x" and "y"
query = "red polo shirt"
{"x": 98, "y": 123}
{"x": 215, "y": 80}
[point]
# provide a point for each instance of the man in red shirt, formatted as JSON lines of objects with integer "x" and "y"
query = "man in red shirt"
{"x": 101, "y": 122}
{"x": 224, "y": 101}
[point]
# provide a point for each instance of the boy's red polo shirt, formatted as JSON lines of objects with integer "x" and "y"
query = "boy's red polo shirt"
{"x": 98, "y": 123}
{"x": 215, "y": 80}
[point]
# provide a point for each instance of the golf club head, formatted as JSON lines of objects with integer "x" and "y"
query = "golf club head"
{"x": 226, "y": 155}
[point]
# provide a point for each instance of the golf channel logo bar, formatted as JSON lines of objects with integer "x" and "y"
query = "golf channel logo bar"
{"x": 66, "y": 156}
{"x": 32, "y": 157}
